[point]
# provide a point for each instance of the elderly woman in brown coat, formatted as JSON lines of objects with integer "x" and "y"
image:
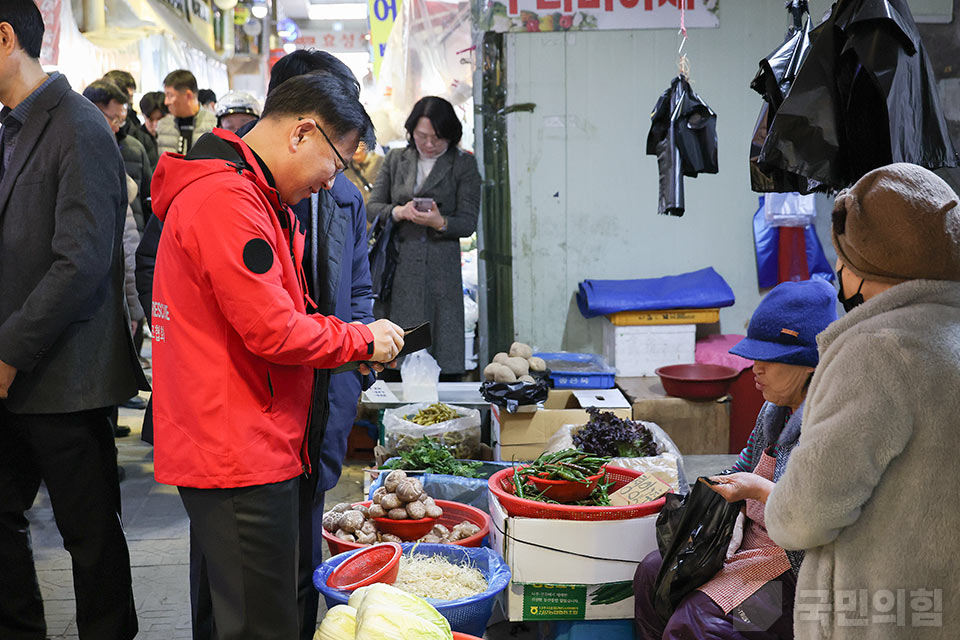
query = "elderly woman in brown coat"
{"x": 431, "y": 189}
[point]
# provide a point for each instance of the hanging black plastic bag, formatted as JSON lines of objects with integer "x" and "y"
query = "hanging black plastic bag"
{"x": 383, "y": 258}
{"x": 512, "y": 395}
{"x": 693, "y": 536}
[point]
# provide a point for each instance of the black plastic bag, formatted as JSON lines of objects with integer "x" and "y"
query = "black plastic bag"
{"x": 511, "y": 395}
{"x": 693, "y": 534}
{"x": 383, "y": 257}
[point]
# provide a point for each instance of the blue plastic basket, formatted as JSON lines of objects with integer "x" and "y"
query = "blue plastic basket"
{"x": 466, "y": 615}
{"x": 570, "y": 370}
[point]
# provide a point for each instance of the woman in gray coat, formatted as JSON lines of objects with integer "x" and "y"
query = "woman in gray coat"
{"x": 432, "y": 191}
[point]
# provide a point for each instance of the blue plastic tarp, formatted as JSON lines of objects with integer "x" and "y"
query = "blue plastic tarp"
{"x": 703, "y": 289}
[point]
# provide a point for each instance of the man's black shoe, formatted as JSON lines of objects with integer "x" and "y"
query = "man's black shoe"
{"x": 121, "y": 431}
{"x": 136, "y": 402}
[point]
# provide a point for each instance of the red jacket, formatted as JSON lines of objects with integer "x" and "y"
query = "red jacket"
{"x": 233, "y": 347}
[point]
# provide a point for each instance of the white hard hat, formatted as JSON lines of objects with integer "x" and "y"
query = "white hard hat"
{"x": 238, "y": 102}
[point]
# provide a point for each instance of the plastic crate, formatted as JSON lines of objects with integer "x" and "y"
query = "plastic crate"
{"x": 570, "y": 370}
{"x": 466, "y": 615}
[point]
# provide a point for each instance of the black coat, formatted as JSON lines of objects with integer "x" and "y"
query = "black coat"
{"x": 864, "y": 97}
{"x": 137, "y": 164}
{"x": 63, "y": 318}
{"x": 683, "y": 136}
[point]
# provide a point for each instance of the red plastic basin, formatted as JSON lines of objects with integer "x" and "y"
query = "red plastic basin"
{"x": 697, "y": 381}
{"x": 406, "y": 530}
{"x": 566, "y": 490}
{"x": 378, "y": 563}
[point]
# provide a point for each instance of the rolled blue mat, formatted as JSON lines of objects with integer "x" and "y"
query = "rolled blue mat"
{"x": 703, "y": 289}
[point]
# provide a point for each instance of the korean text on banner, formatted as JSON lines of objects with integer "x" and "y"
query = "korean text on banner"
{"x": 582, "y": 15}
{"x": 50, "y": 52}
{"x": 382, "y": 13}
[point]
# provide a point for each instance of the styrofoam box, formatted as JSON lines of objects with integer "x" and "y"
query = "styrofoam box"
{"x": 640, "y": 350}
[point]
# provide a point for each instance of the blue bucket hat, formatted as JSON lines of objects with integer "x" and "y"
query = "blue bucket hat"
{"x": 785, "y": 325}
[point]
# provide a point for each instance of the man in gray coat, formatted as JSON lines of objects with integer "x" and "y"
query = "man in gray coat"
{"x": 66, "y": 354}
{"x": 871, "y": 489}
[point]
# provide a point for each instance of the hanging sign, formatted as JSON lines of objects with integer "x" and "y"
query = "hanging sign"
{"x": 334, "y": 41}
{"x": 50, "y": 50}
{"x": 582, "y": 15}
{"x": 382, "y": 14}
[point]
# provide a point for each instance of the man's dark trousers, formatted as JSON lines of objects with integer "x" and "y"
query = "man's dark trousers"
{"x": 75, "y": 456}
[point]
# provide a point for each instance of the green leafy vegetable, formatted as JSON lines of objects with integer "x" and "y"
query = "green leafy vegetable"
{"x": 430, "y": 455}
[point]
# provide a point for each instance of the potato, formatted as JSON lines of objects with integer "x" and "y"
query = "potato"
{"x": 379, "y": 493}
{"x": 520, "y": 350}
{"x": 537, "y": 364}
{"x": 377, "y": 511}
{"x": 330, "y": 520}
{"x": 390, "y": 501}
{"x": 397, "y": 514}
{"x": 393, "y": 479}
{"x": 528, "y": 379}
{"x": 504, "y": 374}
{"x": 351, "y": 521}
{"x": 501, "y": 358}
{"x": 416, "y": 510}
{"x": 408, "y": 491}
{"x": 434, "y": 511}
{"x": 490, "y": 371}
{"x": 440, "y": 530}
{"x": 343, "y": 535}
{"x": 431, "y": 539}
{"x": 389, "y": 537}
{"x": 519, "y": 366}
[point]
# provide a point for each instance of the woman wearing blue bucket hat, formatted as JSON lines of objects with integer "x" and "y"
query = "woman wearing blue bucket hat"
{"x": 753, "y": 595}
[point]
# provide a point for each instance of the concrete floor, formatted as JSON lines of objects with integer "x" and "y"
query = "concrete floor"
{"x": 156, "y": 527}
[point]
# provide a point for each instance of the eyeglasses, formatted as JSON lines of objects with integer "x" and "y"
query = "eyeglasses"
{"x": 343, "y": 163}
{"x": 426, "y": 138}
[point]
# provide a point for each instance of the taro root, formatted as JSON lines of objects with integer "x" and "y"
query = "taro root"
{"x": 434, "y": 511}
{"x": 519, "y": 366}
{"x": 377, "y": 511}
{"x": 537, "y": 364}
{"x": 416, "y": 510}
{"x": 409, "y": 490}
{"x": 520, "y": 350}
{"x": 397, "y": 514}
{"x": 351, "y": 521}
{"x": 330, "y": 520}
{"x": 393, "y": 479}
{"x": 390, "y": 501}
{"x": 379, "y": 493}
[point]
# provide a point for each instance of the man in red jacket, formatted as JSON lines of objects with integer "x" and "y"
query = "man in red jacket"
{"x": 234, "y": 347}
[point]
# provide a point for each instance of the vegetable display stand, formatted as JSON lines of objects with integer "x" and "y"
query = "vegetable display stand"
{"x": 466, "y": 615}
{"x": 453, "y": 514}
{"x": 502, "y": 487}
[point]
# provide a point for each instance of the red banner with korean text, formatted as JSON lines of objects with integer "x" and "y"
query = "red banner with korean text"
{"x": 583, "y": 15}
{"x": 50, "y": 52}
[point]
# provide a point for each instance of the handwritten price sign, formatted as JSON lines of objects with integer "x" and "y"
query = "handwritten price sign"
{"x": 646, "y": 488}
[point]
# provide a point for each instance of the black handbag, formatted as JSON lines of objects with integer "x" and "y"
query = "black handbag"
{"x": 383, "y": 257}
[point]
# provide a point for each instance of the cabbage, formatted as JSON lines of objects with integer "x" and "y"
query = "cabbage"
{"x": 357, "y": 597}
{"x": 340, "y": 623}
{"x": 387, "y": 596}
{"x": 376, "y": 622}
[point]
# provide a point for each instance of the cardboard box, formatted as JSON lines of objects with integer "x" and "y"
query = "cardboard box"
{"x": 524, "y": 435}
{"x": 568, "y": 569}
{"x": 641, "y": 350}
{"x": 695, "y": 427}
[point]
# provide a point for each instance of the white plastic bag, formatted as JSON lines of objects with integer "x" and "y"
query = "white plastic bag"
{"x": 460, "y": 435}
{"x": 789, "y": 209}
{"x": 419, "y": 375}
{"x": 666, "y": 466}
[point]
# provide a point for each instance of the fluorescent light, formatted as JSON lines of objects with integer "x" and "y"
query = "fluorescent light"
{"x": 289, "y": 47}
{"x": 338, "y": 11}
{"x": 259, "y": 11}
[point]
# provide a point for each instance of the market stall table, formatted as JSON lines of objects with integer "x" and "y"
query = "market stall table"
{"x": 387, "y": 395}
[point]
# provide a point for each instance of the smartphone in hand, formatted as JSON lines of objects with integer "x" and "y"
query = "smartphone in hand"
{"x": 423, "y": 204}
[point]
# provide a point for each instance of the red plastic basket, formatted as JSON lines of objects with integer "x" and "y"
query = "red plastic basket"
{"x": 566, "y": 490}
{"x": 463, "y": 636}
{"x": 501, "y": 484}
{"x": 453, "y": 514}
{"x": 406, "y": 530}
{"x": 378, "y": 563}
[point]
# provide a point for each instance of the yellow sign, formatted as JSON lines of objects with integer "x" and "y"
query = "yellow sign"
{"x": 383, "y": 13}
